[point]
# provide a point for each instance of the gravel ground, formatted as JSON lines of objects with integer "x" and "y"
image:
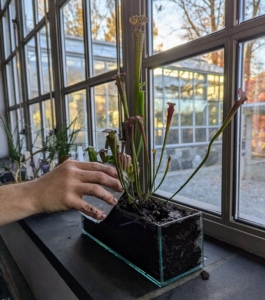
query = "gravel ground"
{"x": 206, "y": 187}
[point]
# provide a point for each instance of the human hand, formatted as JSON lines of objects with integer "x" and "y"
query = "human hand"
{"x": 63, "y": 188}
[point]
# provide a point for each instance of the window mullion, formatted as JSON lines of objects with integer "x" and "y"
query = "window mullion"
{"x": 38, "y": 62}
{"x": 87, "y": 38}
{"x": 88, "y": 59}
{"x": 57, "y": 61}
{"x": 22, "y": 69}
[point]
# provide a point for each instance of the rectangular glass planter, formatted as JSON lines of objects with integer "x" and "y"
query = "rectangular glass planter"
{"x": 162, "y": 253}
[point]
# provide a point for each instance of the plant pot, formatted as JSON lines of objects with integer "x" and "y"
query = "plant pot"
{"x": 161, "y": 252}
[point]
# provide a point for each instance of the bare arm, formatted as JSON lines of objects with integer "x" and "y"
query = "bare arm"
{"x": 59, "y": 190}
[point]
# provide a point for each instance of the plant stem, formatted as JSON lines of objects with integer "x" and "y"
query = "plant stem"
{"x": 165, "y": 173}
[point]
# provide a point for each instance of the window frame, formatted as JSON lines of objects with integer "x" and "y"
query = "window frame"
{"x": 223, "y": 227}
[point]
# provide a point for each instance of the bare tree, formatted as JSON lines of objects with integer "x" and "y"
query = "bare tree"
{"x": 103, "y": 20}
{"x": 103, "y": 26}
{"x": 73, "y": 18}
{"x": 203, "y": 17}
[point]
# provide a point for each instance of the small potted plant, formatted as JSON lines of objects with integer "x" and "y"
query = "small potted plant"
{"x": 19, "y": 166}
{"x": 159, "y": 238}
{"x": 58, "y": 145}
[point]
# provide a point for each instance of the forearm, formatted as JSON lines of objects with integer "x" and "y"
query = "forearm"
{"x": 16, "y": 202}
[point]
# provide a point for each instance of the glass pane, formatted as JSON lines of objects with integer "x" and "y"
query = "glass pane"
{"x": 32, "y": 74}
{"x": 191, "y": 126}
{"x": 178, "y": 22}
{"x": 35, "y": 123}
{"x": 187, "y": 135}
{"x": 106, "y": 110}
{"x": 200, "y": 135}
{"x": 49, "y": 122}
{"x": 28, "y": 19}
{"x": 76, "y": 107}
{"x": 251, "y": 204}
{"x": 16, "y": 82}
{"x": 45, "y": 64}
{"x": 17, "y": 126}
{"x": 73, "y": 41}
{"x": 173, "y": 136}
{"x": 10, "y": 83}
{"x": 200, "y": 107}
{"x": 252, "y": 8}
{"x": 17, "y": 120}
{"x": 21, "y": 121}
{"x": 14, "y": 122}
{"x": 12, "y": 13}
{"x": 41, "y": 8}
{"x": 6, "y": 32}
{"x": 103, "y": 27}
{"x": 3, "y": 2}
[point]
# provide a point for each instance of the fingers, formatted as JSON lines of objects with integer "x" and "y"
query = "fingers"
{"x": 100, "y": 178}
{"x": 94, "y": 166}
{"x": 89, "y": 210}
{"x": 90, "y": 172}
{"x": 97, "y": 191}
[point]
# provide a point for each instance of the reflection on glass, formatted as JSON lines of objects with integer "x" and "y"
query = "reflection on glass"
{"x": 106, "y": 110}
{"x": 45, "y": 80}
{"x": 32, "y": 75}
{"x": 6, "y": 32}
{"x": 198, "y": 98}
{"x": 178, "y": 22}
{"x": 103, "y": 27}
{"x": 73, "y": 41}
{"x": 28, "y": 19}
{"x": 10, "y": 84}
{"x": 251, "y": 201}
{"x": 76, "y": 107}
{"x": 251, "y": 9}
{"x": 35, "y": 123}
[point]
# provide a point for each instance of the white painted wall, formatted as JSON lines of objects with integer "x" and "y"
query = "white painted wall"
{"x": 3, "y": 140}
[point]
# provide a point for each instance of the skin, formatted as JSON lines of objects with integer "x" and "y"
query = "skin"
{"x": 59, "y": 190}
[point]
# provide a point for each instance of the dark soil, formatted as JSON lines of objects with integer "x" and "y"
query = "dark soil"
{"x": 155, "y": 211}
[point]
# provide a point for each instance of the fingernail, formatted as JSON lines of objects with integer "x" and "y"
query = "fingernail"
{"x": 103, "y": 216}
{"x": 115, "y": 201}
{"x": 116, "y": 175}
{"x": 122, "y": 189}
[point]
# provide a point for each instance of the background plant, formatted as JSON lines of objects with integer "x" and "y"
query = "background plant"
{"x": 59, "y": 144}
{"x": 16, "y": 145}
